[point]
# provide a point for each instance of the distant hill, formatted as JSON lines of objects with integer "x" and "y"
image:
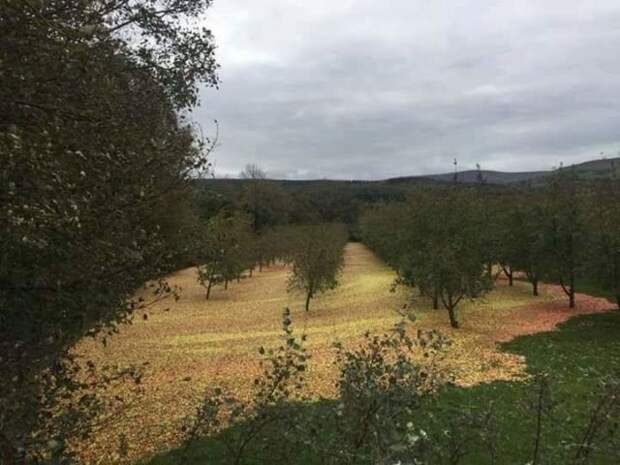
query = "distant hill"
{"x": 343, "y": 201}
{"x": 399, "y": 187}
{"x": 474, "y": 176}
{"x": 597, "y": 169}
{"x": 591, "y": 170}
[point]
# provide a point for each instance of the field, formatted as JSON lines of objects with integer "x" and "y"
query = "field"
{"x": 193, "y": 343}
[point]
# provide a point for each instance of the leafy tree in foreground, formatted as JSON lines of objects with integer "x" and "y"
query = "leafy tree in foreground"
{"x": 281, "y": 379}
{"x": 317, "y": 258}
{"x": 94, "y": 154}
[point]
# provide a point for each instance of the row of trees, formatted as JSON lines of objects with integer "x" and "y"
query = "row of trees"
{"x": 435, "y": 241}
{"x": 567, "y": 232}
{"x": 447, "y": 241}
{"x": 228, "y": 247}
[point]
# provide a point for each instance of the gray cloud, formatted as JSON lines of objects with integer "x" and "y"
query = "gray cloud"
{"x": 366, "y": 89}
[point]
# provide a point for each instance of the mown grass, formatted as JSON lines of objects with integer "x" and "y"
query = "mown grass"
{"x": 576, "y": 357}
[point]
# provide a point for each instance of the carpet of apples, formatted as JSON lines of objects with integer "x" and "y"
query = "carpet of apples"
{"x": 194, "y": 343}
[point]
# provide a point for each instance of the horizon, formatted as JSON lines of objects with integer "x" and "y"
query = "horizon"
{"x": 430, "y": 175}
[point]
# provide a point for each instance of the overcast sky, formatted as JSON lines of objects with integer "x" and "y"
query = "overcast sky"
{"x": 360, "y": 89}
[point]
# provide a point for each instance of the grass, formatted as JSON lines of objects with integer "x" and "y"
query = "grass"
{"x": 193, "y": 344}
{"x": 590, "y": 287}
{"x": 583, "y": 351}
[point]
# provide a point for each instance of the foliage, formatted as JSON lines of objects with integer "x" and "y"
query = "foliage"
{"x": 95, "y": 162}
{"x": 379, "y": 385}
{"x": 380, "y": 228}
{"x": 436, "y": 242}
{"x": 317, "y": 258}
{"x": 294, "y": 202}
{"x": 340, "y": 201}
{"x": 506, "y": 219}
{"x": 243, "y": 427}
{"x": 566, "y": 230}
{"x": 603, "y": 220}
{"x": 70, "y": 408}
{"x": 227, "y": 250}
{"x": 522, "y": 225}
{"x": 276, "y": 245}
{"x": 264, "y": 200}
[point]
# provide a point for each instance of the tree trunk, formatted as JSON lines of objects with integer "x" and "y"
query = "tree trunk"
{"x": 450, "y": 305}
{"x": 226, "y": 284}
{"x": 251, "y": 271}
{"x": 435, "y": 300}
{"x": 453, "y": 321}
{"x": 618, "y": 300}
{"x": 490, "y": 270}
{"x": 260, "y": 266}
{"x": 569, "y": 291}
{"x": 209, "y": 288}
{"x": 535, "y": 287}
{"x": 238, "y": 278}
{"x": 508, "y": 272}
{"x": 308, "y": 297}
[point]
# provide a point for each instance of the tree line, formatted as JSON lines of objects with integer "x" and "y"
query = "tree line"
{"x": 272, "y": 203}
{"x": 450, "y": 241}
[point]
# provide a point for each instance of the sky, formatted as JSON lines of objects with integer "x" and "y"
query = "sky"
{"x": 360, "y": 89}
